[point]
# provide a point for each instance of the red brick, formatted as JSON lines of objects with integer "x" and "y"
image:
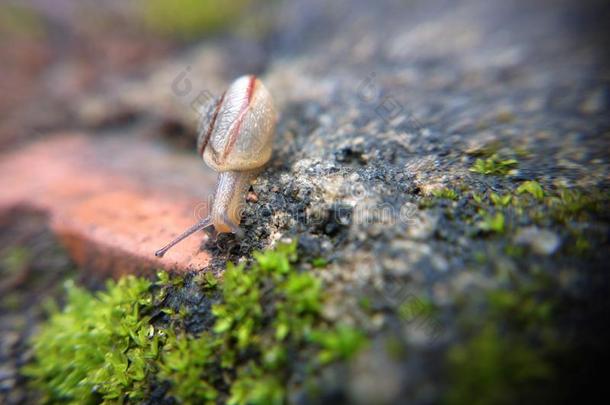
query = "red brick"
{"x": 112, "y": 200}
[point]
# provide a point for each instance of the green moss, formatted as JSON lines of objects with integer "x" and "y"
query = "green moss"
{"x": 515, "y": 250}
{"x": 267, "y": 317}
{"x": 365, "y": 303}
{"x": 268, "y": 310}
{"x": 523, "y": 308}
{"x": 491, "y": 368}
{"x": 582, "y": 245}
{"x": 13, "y": 261}
{"x": 478, "y": 197}
{"x": 426, "y": 202}
{"x": 500, "y": 200}
{"x": 395, "y": 348}
{"x": 100, "y": 347}
{"x": 182, "y": 362}
{"x": 338, "y": 343}
{"x": 533, "y": 188}
{"x": 572, "y": 204}
{"x": 414, "y": 307}
{"x": 253, "y": 386}
{"x": 493, "y": 165}
{"x": 492, "y": 223}
{"x": 445, "y": 193}
{"x": 186, "y": 19}
{"x": 480, "y": 257}
{"x": 19, "y": 21}
{"x": 511, "y": 341}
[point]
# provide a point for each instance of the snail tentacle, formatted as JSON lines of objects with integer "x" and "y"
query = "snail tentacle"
{"x": 204, "y": 223}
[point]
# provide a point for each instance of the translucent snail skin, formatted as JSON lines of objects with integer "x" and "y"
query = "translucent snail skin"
{"x": 235, "y": 139}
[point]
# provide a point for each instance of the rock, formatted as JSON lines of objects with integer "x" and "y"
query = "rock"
{"x": 594, "y": 103}
{"x": 376, "y": 378}
{"x": 420, "y": 225}
{"x": 541, "y": 241}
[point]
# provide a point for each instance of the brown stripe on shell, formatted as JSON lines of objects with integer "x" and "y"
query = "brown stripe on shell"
{"x": 240, "y": 118}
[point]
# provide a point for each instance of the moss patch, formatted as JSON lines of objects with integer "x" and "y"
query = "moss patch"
{"x": 445, "y": 193}
{"x": 21, "y": 22}
{"x": 99, "y": 347}
{"x": 493, "y": 369}
{"x": 187, "y": 19}
{"x": 267, "y": 319}
{"x": 494, "y": 165}
{"x": 533, "y": 188}
{"x": 492, "y": 222}
{"x": 508, "y": 354}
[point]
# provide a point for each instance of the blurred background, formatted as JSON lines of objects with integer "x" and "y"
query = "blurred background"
{"x": 56, "y": 52}
{"x": 63, "y": 61}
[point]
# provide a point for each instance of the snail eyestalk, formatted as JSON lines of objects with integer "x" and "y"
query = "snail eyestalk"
{"x": 204, "y": 223}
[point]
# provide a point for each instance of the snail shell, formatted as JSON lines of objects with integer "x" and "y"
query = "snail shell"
{"x": 238, "y": 131}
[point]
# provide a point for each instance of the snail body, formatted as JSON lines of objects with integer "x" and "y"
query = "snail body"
{"x": 235, "y": 139}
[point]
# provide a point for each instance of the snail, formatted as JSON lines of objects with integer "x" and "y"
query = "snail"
{"x": 235, "y": 139}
